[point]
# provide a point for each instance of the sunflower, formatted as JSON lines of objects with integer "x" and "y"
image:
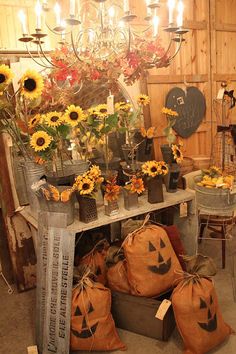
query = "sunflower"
{"x": 53, "y": 119}
{"x": 177, "y": 153}
{"x": 123, "y": 106}
{"x": 152, "y": 168}
{"x": 40, "y": 141}
{"x": 143, "y": 100}
{"x": 6, "y": 75}
{"x": 136, "y": 185}
{"x": 101, "y": 110}
{"x": 163, "y": 167}
{"x": 94, "y": 171}
{"x": 74, "y": 115}
{"x": 86, "y": 186}
{"x": 34, "y": 121}
{"x": 149, "y": 133}
{"x": 112, "y": 192}
{"x": 169, "y": 112}
{"x": 31, "y": 84}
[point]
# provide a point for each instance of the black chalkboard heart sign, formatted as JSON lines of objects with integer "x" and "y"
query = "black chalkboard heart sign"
{"x": 191, "y": 107}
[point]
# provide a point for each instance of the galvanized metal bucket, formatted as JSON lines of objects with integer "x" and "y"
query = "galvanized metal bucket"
{"x": 32, "y": 174}
{"x": 67, "y": 208}
{"x": 19, "y": 179}
{"x": 76, "y": 167}
{"x": 130, "y": 200}
{"x": 215, "y": 201}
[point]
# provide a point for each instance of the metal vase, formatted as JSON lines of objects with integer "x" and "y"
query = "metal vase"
{"x": 167, "y": 153}
{"x": 155, "y": 190}
{"x": 130, "y": 200}
{"x": 87, "y": 208}
{"x": 32, "y": 174}
{"x": 111, "y": 207}
{"x": 172, "y": 178}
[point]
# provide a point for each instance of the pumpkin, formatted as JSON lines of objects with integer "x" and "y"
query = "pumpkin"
{"x": 92, "y": 325}
{"x": 151, "y": 261}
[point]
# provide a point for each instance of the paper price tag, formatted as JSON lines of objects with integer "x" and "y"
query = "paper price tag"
{"x": 220, "y": 94}
{"x": 32, "y": 350}
{"x": 163, "y": 308}
{"x": 183, "y": 210}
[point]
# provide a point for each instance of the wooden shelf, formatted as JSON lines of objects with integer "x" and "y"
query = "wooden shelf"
{"x": 170, "y": 199}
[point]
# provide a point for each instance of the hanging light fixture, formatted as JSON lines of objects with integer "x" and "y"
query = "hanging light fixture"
{"x": 102, "y": 30}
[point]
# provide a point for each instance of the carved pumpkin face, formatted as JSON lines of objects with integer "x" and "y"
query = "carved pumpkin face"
{"x": 86, "y": 331}
{"x": 162, "y": 266}
{"x": 211, "y": 323}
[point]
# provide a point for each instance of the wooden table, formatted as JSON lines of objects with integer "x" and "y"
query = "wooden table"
{"x": 55, "y": 246}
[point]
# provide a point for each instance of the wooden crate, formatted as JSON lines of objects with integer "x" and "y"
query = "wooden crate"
{"x": 137, "y": 314}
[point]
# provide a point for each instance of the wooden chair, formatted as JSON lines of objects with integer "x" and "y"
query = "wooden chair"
{"x": 219, "y": 224}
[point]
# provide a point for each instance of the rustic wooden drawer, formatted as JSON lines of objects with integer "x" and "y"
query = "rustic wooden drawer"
{"x": 137, "y": 314}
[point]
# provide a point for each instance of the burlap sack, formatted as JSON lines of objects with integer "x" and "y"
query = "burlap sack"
{"x": 117, "y": 277}
{"x": 96, "y": 261}
{"x": 151, "y": 261}
{"x": 197, "y": 315}
{"x": 92, "y": 325}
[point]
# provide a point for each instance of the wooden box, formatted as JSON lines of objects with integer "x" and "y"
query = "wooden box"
{"x": 137, "y": 314}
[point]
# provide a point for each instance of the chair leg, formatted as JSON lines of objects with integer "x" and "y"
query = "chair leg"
{"x": 223, "y": 246}
{"x": 202, "y": 228}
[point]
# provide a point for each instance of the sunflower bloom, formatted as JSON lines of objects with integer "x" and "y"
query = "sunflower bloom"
{"x": 101, "y": 110}
{"x": 74, "y": 115}
{"x": 143, "y": 100}
{"x": 34, "y": 121}
{"x": 177, "y": 153}
{"x": 53, "y": 119}
{"x": 6, "y": 76}
{"x": 123, "y": 106}
{"x": 31, "y": 84}
{"x": 169, "y": 112}
{"x": 86, "y": 186}
{"x": 154, "y": 168}
{"x": 136, "y": 185}
{"x": 40, "y": 141}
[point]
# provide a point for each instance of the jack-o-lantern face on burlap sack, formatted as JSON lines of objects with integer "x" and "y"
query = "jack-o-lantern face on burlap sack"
{"x": 198, "y": 316}
{"x": 92, "y": 325}
{"x": 96, "y": 260}
{"x": 151, "y": 261}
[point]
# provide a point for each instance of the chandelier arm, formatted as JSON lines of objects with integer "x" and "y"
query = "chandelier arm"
{"x": 53, "y": 31}
{"x": 169, "y": 46}
{"x": 49, "y": 61}
{"x": 177, "y": 50}
{"x": 74, "y": 49}
{"x": 38, "y": 63}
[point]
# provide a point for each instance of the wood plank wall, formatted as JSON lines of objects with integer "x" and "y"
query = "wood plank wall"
{"x": 207, "y": 58}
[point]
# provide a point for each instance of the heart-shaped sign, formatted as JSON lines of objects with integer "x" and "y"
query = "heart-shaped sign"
{"x": 191, "y": 107}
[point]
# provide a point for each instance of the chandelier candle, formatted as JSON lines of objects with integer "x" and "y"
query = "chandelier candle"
{"x": 180, "y": 14}
{"x": 126, "y": 6}
{"x": 171, "y": 6}
{"x": 57, "y": 10}
{"x": 22, "y": 18}
{"x": 38, "y": 11}
{"x": 72, "y": 8}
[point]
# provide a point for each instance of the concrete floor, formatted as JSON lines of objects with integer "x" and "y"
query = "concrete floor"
{"x": 17, "y": 316}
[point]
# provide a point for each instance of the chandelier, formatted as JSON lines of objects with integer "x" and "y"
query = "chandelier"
{"x": 96, "y": 32}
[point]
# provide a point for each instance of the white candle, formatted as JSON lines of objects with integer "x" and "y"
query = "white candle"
{"x": 155, "y": 22}
{"x": 63, "y": 33}
{"x": 126, "y": 5}
{"x": 180, "y": 13}
{"x": 22, "y": 18}
{"x": 110, "y": 104}
{"x": 111, "y": 13}
{"x": 78, "y": 7}
{"x": 171, "y": 6}
{"x": 72, "y": 7}
{"x": 149, "y": 10}
{"x": 38, "y": 11}
{"x": 57, "y": 10}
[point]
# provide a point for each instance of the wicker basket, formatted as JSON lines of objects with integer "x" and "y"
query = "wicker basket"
{"x": 87, "y": 208}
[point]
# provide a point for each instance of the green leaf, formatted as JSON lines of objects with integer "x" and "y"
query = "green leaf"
{"x": 112, "y": 120}
{"x": 122, "y": 129}
{"x": 64, "y": 130}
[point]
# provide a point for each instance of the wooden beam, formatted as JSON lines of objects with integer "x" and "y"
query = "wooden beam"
{"x": 224, "y": 77}
{"x": 225, "y": 27}
{"x": 175, "y": 79}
